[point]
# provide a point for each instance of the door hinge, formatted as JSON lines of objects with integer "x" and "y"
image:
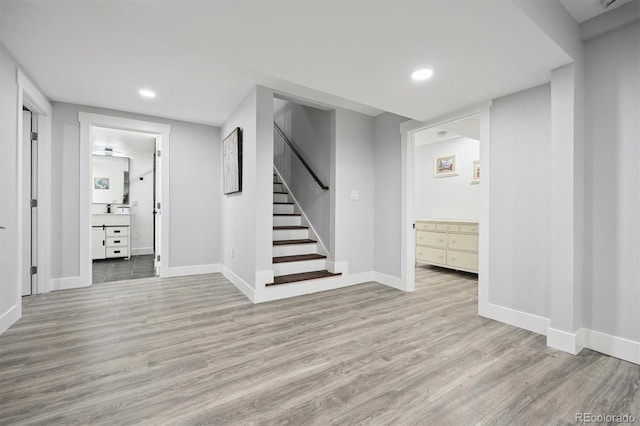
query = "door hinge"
{"x": 34, "y": 203}
{"x": 34, "y": 270}
{"x": 158, "y": 206}
{"x": 158, "y": 258}
{"x": 34, "y": 136}
{"x": 159, "y": 154}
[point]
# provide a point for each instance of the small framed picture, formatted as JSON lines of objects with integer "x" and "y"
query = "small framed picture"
{"x": 476, "y": 172}
{"x": 446, "y": 166}
{"x": 100, "y": 183}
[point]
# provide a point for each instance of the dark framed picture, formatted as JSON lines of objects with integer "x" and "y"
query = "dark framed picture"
{"x": 232, "y": 162}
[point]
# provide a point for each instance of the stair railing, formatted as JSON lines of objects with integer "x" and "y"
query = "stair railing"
{"x": 297, "y": 154}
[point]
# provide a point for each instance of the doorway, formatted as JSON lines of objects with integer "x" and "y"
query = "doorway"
{"x": 89, "y": 124}
{"x": 123, "y": 207}
{"x": 409, "y": 130}
{"x": 447, "y": 200}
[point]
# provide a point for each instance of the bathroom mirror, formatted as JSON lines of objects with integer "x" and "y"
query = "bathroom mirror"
{"x": 110, "y": 180}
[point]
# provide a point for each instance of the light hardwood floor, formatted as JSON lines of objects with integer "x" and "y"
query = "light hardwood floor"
{"x": 194, "y": 350}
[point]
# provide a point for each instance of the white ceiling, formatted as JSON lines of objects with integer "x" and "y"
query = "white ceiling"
{"x": 203, "y": 57}
{"x": 123, "y": 142}
{"x": 468, "y": 127}
{"x": 583, "y": 10}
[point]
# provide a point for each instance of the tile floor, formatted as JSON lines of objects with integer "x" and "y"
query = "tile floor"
{"x": 123, "y": 269}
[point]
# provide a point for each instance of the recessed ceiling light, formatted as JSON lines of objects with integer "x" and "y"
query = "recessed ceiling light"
{"x": 147, "y": 93}
{"x": 422, "y": 74}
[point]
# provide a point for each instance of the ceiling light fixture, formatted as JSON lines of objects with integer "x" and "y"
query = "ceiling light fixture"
{"x": 422, "y": 74}
{"x": 147, "y": 93}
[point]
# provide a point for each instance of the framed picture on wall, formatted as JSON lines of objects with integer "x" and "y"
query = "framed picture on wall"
{"x": 446, "y": 166}
{"x": 232, "y": 162}
{"x": 476, "y": 171}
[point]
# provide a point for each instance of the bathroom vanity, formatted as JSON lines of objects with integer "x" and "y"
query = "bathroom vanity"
{"x": 110, "y": 236}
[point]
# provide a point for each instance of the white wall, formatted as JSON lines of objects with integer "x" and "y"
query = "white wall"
{"x": 8, "y": 186}
{"x": 194, "y": 190}
{"x": 247, "y": 221}
{"x": 612, "y": 288}
{"x": 388, "y": 203}
{"x": 451, "y": 197}
{"x": 519, "y": 205}
{"x": 353, "y": 162}
{"x": 308, "y": 129}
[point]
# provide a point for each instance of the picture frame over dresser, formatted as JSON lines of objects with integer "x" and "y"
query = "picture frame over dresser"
{"x": 448, "y": 244}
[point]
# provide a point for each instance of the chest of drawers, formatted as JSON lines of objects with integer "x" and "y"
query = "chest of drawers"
{"x": 449, "y": 244}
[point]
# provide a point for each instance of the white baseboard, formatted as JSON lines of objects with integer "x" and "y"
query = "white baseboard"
{"x": 516, "y": 318}
{"x": 67, "y": 283}
{"x": 10, "y": 317}
{"x": 183, "y": 271}
{"x": 141, "y": 251}
{"x": 572, "y": 343}
{"x": 617, "y": 347}
{"x": 284, "y": 291}
{"x": 240, "y": 284}
{"x": 389, "y": 280}
{"x": 565, "y": 341}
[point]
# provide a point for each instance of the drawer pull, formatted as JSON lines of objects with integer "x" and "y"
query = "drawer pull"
{"x": 116, "y": 241}
{"x": 453, "y": 241}
{"x": 116, "y": 231}
{"x": 116, "y": 251}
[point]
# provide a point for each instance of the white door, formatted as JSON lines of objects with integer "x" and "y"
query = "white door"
{"x": 157, "y": 207}
{"x": 30, "y": 198}
{"x": 34, "y": 206}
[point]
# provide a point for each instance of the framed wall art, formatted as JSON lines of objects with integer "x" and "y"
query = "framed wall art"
{"x": 232, "y": 162}
{"x": 476, "y": 171}
{"x": 446, "y": 166}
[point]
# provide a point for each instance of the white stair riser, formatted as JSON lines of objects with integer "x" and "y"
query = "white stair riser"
{"x": 287, "y": 268}
{"x": 294, "y": 249}
{"x": 286, "y": 221}
{"x": 280, "y": 198}
{"x": 278, "y": 187}
{"x": 283, "y": 208}
{"x": 290, "y": 234}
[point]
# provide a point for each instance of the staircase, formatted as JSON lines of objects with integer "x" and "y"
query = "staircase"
{"x": 295, "y": 255}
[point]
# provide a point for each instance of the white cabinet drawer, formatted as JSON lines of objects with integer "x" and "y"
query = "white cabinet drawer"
{"x": 421, "y": 226}
{"x": 117, "y": 252}
{"x": 462, "y": 260}
{"x": 463, "y": 242}
{"x": 117, "y": 241}
{"x": 117, "y": 231}
{"x": 469, "y": 228}
{"x": 431, "y": 239}
{"x": 431, "y": 255}
{"x": 447, "y": 227}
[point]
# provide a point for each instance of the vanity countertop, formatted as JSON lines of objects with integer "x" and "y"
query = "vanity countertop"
{"x": 111, "y": 219}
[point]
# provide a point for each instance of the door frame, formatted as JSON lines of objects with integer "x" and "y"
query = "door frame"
{"x": 407, "y": 249}
{"x": 29, "y": 96}
{"x": 162, "y": 132}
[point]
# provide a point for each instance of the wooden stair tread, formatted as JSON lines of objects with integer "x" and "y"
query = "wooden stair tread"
{"x": 287, "y": 214}
{"x": 280, "y": 192}
{"x": 290, "y": 227}
{"x": 304, "y": 276}
{"x": 298, "y": 258}
{"x": 280, "y": 202}
{"x": 285, "y": 242}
